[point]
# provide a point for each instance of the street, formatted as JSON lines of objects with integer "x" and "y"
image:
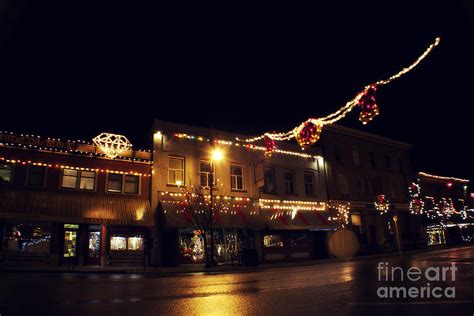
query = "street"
{"x": 330, "y": 288}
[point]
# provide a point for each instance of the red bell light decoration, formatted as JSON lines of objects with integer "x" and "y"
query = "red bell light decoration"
{"x": 270, "y": 146}
{"x": 308, "y": 134}
{"x": 368, "y": 105}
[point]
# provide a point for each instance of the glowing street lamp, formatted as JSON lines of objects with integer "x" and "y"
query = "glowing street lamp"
{"x": 216, "y": 155}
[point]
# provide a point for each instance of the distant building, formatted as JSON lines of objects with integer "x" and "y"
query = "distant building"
{"x": 361, "y": 168}
{"x": 66, "y": 202}
{"x": 445, "y": 211}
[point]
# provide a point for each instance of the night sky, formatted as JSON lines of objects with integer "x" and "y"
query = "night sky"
{"x": 76, "y": 68}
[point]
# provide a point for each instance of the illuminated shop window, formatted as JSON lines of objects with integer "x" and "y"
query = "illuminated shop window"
{"x": 27, "y": 237}
{"x": 272, "y": 241}
{"x": 124, "y": 243}
{"x": 135, "y": 243}
{"x": 94, "y": 244}
{"x": 70, "y": 241}
{"x": 435, "y": 236}
{"x": 5, "y": 172}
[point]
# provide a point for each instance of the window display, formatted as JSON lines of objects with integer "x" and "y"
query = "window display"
{"x": 272, "y": 241}
{"x": 70, "y": 238}
{"x": 126, "y": 243}
{"x": 118, "y": 243}
{"x": 31, "y": 237}
{"x": 191, "y": 246}
{"x": 94, "y": 244}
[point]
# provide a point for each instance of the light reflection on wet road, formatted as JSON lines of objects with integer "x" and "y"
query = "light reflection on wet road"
{"x": 331, "y": 288}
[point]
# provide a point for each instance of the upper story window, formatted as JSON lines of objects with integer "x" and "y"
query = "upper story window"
{"x": 362, "y": 187}
{"x": 176, "y": 170}
{"x": 377, "y": 186}
{"x": 400, "y": 165}
{"x": 338, "y": 152}
{"x": 289, "y": 178}
{"x": 78, "y": 179}
{"x": 269, "y": 185}
{"x": 205, "y": 173}
{"x": 6, "y": 170}
{"x": 387, "y": 161}
{"x": 356, "y": 156}
{"x": 342, "y": 185}
{"x": 236, "y": 177}
{"x": 372, "y": 159}
{"x": 309, "y": 183}
{"x": 132, "y": 184}
{"x": 123, "y": 183}
{"x": 36, "y": 176}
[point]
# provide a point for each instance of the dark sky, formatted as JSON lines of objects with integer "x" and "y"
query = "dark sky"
{"x": 76, "y": 68}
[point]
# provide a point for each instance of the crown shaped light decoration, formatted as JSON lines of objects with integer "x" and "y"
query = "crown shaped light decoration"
{"x": 112, "y": 145}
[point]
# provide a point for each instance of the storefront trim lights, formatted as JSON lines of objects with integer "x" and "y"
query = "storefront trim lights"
{"x": 435, "y": 177}
{"x": 59, "y": 166}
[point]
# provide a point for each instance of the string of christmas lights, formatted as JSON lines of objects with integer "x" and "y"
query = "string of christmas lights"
{"x": 309, "y": 132}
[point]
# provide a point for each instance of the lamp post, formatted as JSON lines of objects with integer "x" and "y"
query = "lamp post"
{"x": 217, "y": 155}
{"x": 395, "y": 219}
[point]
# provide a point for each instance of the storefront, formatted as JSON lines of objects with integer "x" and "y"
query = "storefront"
{"x": 73, "y": 231}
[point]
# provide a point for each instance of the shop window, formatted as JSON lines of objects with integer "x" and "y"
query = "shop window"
{"x": 6, "y": 170}
{"x": 73, "y": 179}
{"x": 118, "y": 243}
{"x": 191, "y": 243}
{"x": 27, "y": 237}
{"x": 132, "y": 184}
{"x": 205, "y": 173}
{"x": 309, "y": 183}
{"x": 114, "y": 183}
{"x": 36, "y": 176}
{"x": 289, "y": 179}
{"x": 298, "y": 240}
{"x": 176, "y": 170}
{"x": 94, "y": 244}
{"x": 134, "y": 243}
{"x": 126, "y": 243}
{"x": 272, "y": 241}
{"x": 70, "y": 240}
{"x": 269, "y": 184}
{"x": 236, "y": 177}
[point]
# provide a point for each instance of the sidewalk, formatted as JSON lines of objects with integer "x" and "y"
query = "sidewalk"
{"x": 195, "y": 268}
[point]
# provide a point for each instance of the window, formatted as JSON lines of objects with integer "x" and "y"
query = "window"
{"x": 205, "y": 174}
{"x": 74, "y": 178}
{"x": 342, "y": 186}
{"x": 289, "y": 178}
{"x": 400, "y": 165}
{"x": 338, "y": 153}
{"x": 309, "y": 183}
{"x": 70, "y": 240}
{"x": 377, "y": 186}
{"x": 362, "y": 187}
{"x": 356, "y": 156}
{"x": 119, "y": 183}
{"x": 32, "y": 237}
{"x": 236, "y": 177}
{"x": 114, "y": 183}
{"x": 298, "y": 240}
{"x": 176, "y": 170}
{"x": 372, "y": 159}
{"x": 272, "y": 241}
{"x": 269, "y": 185}
{"x": 87, "y": 180}
{"x": 36, "y": 176}
{"x": 5, "y": 172}
{"x": 131, "y": 184}
{"x": 387, "y": 161}
{"x": 126, "y": 243}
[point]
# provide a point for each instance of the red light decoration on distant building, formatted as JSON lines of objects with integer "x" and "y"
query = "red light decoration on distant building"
{"x": 449, "y": 185}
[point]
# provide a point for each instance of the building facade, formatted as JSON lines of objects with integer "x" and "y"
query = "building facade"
{"x": 275, "y": 205}
{"x": 66, "y": 202}
{"x": 370, "y": 175}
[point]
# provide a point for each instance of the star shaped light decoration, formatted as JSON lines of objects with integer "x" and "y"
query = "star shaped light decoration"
{"x": 112, "y": 144}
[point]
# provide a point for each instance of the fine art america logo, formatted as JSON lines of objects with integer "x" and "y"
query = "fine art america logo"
{"x": 432, "y": 280}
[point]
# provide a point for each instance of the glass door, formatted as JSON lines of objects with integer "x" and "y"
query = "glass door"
{"x": 70, "y": 242}
{"x": 93, "y": 255}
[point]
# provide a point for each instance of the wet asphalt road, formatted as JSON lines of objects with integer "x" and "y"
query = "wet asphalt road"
{"x": 335, "y": 288}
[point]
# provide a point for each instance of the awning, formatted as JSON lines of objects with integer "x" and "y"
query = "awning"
{"x": 74, "y": 207}
{"x": 176, "y": 216}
